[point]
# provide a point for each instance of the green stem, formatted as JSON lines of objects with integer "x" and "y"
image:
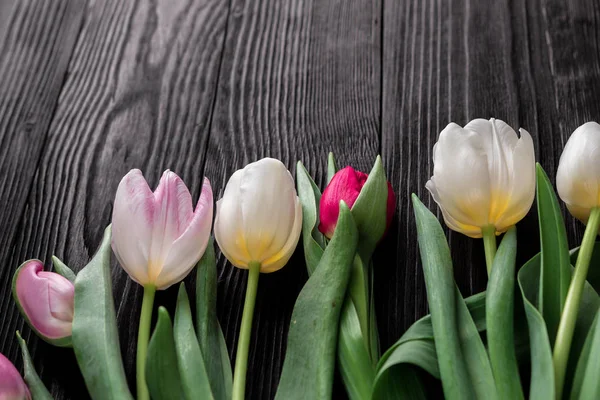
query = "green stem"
{"x": 489, "y": 244}
{"x": 566, "y": 327}
{"x": 142, "y": 344}
{"x": 241, "y": 358}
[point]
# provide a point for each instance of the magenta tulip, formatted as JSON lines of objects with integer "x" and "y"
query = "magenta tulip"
{"x": 159, "y": 237}
{"x": 12, "y": 386}
{"x": 346, "y": 185}
{"x": 46, "y": 300}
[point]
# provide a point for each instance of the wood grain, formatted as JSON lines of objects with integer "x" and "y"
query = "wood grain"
{"x": 299, "y": 78}
{"x": 139, "y": 94}
{"x": 36, "y": 42}
{"x": 205, "y": 86}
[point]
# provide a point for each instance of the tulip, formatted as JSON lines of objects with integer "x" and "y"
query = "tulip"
{"x": 158, "y": 238}
{"x": 12, "y": 386}
{"x": 483, "y": 179}
{"x": 578, "y": 174}
{"x": 46, "y": 300}
{"x": 346, "y": 185}
{"x": 257, "y": 227}
{"x": 259, "y": 218}
{"x": 578, "y": 184}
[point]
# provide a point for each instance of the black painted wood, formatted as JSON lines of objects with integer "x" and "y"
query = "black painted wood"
{"x": 88, "y": 91}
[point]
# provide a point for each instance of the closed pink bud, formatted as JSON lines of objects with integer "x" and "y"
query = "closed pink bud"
{"x": 12, "y": 386}
{"x": 46, "y": 300}
{"x": 346, "y": 185}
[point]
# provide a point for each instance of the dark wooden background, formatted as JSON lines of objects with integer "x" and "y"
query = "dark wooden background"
{"x": 89, "y": 90}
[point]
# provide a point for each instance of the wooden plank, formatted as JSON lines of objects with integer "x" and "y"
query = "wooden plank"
{"x": 139, "y": 94}
{"x": 299, "y": 78}
{"x": 36, "y": 42}
{"x": 531, "y": 63}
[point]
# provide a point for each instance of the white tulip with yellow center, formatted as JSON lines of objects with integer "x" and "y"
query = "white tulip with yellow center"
{"x": 257, "y": 227}
{"x": 483, "y": 178}
{"x": 578, "y": 184}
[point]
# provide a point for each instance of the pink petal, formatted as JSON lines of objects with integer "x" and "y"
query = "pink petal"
{"x": 12, "y": 385}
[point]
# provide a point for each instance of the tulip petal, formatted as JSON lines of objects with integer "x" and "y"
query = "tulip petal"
{"x": 12, "y": 385}
{"x": 132, "y": 225}
{"x": 189, "y": 247}
{"x": 228, "y": 223}
{"x": 278, "y": 260}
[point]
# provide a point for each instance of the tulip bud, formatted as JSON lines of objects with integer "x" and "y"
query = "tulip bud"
{"x": 346, "y": 185}
{"x": 484, "y": 175}
{"x": 259, "y": 218}
{"x": 46, "y": 300}
{"x": 578, "y": 174}
{"x": 158, "y": 237}
{"x": 12, "y": 386}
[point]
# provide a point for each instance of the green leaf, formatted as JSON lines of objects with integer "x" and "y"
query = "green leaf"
{"x": 34, "y": 383}
{"x": 555, "y": 273}
{"x": 400, "y": 382}
{"x": 441, "y": 295}
{"x": 95, "y": 335}
{"x": 586, "y": 384}
{"x": 311, "y": 350}
{"x": 61, "y": 342}
{"x": 593, "y": 276}
{"x": 162, "y": 373}
{"x": 500, "y": 306}
{"x": 354, "y": 361}
{"x": 194, "y": 378}
{"x": 542, "y": 370}
{"x": 331, "y": 168}
{"x": 310, "y": 196}
{"x": 62, "y": 269}
{"x": 370, "y": 209}
{"x": 210, "y": 336}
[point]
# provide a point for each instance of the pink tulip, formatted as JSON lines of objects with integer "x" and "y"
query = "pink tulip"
{"x": 158, "y": 237}
{"x": 346, "y": 185}
{"x": 46, "y": 299}
{"x": 12, "y": 386}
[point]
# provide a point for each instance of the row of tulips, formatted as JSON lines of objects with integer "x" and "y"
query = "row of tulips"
{"x": 484, "y": 182}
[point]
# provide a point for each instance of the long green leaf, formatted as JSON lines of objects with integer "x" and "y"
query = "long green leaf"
{"x": 62, "y": 269}
{"x": 499, "y": 319}
{"x": 95, "y": 335}
{"x": 586, "y": 384}
{"x": 210, "y": 336}
{"x": 310, "y": 357}
{"x": 194, "y": 378}
{"x": 34, "y": 383}
{"x": 162, "y": 372}
{"x": 542, "y": 370}
{"x": 441, "y": 292}
{"x": 555, "y": 273}
{"x": 593, "y": 276}
{"x": 312, "y": 240}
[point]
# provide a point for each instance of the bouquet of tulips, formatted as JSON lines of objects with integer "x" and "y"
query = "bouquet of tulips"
{"x": 492, "y": 345}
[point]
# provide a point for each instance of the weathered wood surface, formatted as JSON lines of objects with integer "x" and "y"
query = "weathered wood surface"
{"x": 90, "y": 90}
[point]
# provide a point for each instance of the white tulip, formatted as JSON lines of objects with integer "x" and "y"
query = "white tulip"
{"x": 484, "y": 176}
{"x": 578, "y": 175}
{"x": 259, "y": 218}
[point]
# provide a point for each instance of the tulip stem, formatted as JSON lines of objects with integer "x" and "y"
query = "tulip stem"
{"x": 142, "y": 344}
{"x": 241, "y": 358}
{"x": 489, "y": 245}
{"x": 566, "y": 327}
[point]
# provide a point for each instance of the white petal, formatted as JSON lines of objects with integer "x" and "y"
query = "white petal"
{"x": 190, "y": 246}
{"x": 132, "y": 221}
{"x": 279, "y": 259}
{"x": 229, "y": 232}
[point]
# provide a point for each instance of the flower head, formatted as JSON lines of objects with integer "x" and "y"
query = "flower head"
{"x": 46, "y": 300}
{"x": 346, "y": 185}
{"x": 12, "y": 386}
{"x": 484, "y": 174}
{"x": 259, "y": 218}
{"x": 159, "y": 237}
{"x": 578, "y": 174}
